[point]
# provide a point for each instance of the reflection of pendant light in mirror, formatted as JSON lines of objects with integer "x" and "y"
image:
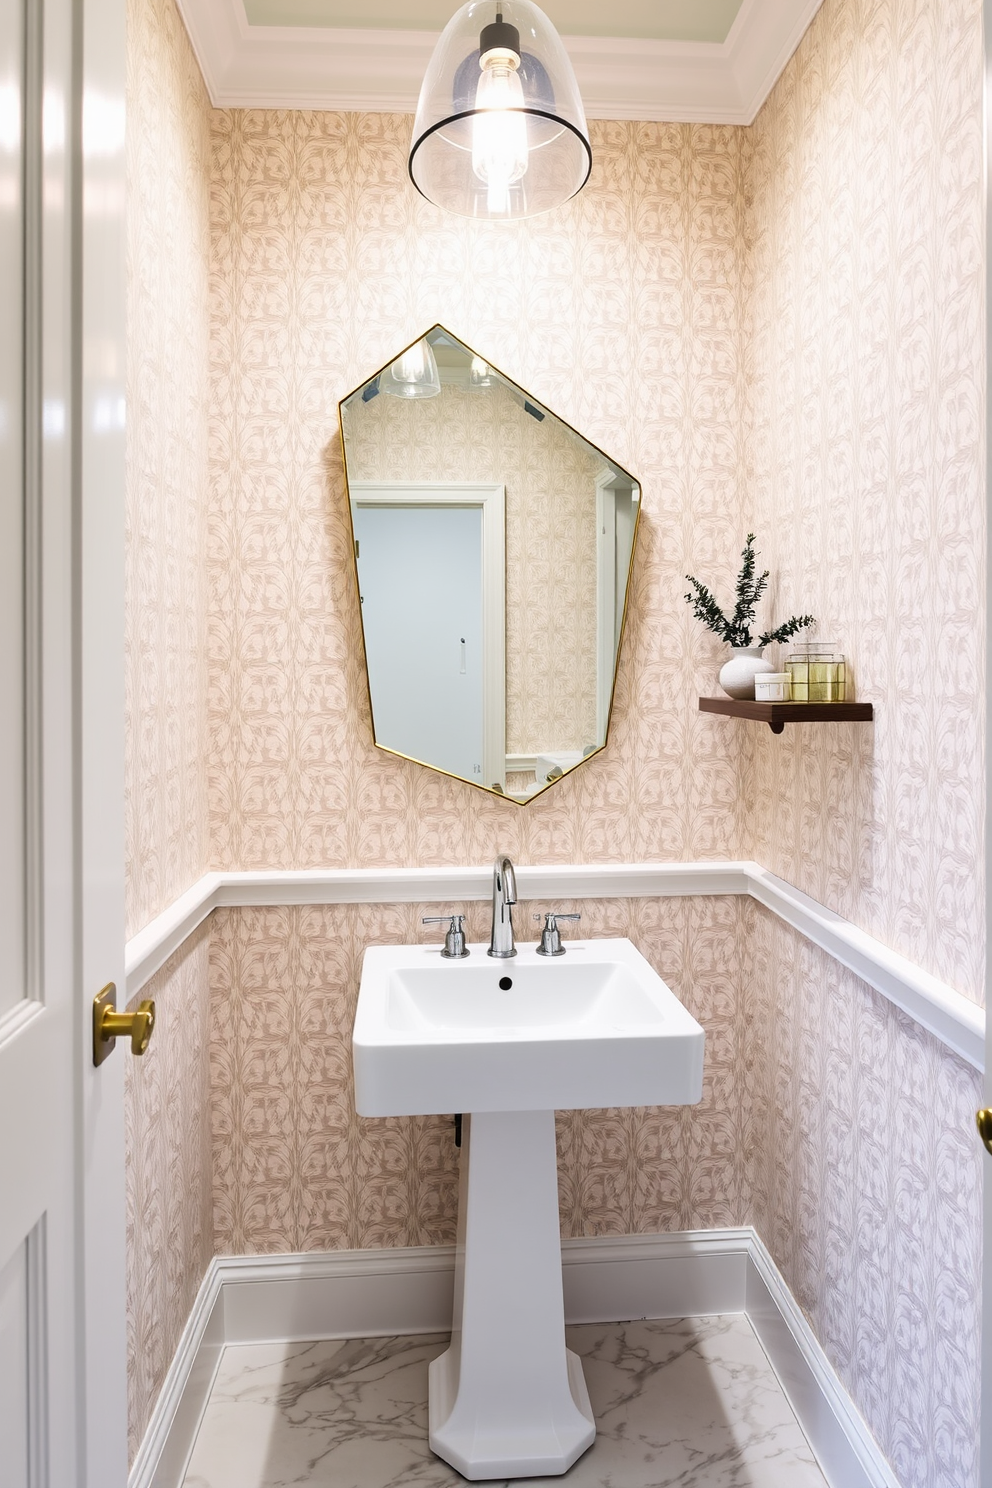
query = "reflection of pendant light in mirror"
{"x": 412, "y": 375}
{"x": 500, "y": 130}
{"x": 479, "y": 377}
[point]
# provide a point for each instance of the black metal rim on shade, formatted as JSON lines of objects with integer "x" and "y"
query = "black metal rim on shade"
{"x": 471, "y": 114}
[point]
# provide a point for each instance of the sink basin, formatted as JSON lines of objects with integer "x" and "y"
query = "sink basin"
{"x": 507, "y": 1043}
{"x": 595, "y": 1027}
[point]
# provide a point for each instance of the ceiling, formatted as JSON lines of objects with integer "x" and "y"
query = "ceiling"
{"x": 698, "y": 61}
{"x": 661, "y": 20}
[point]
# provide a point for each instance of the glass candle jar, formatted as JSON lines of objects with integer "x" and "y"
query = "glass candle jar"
{"x": 817, "y": 672}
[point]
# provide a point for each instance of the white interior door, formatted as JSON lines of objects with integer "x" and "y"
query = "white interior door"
{"x": 430, "y": 561}
{"x": 986, "y": 1267}
{"x": 986, "y": 1394}
{"x": 62, "y": 1341}
{"x": 420, "y": 571}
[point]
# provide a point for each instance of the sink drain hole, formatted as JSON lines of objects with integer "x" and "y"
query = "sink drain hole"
{"x": 505, "y": 983}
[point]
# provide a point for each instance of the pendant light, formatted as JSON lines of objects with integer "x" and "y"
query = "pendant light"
{"x": 413, "y": 374}
{"x": 500, "y": 131}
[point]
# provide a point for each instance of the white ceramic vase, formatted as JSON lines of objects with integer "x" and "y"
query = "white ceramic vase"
{"x": 737, "y": 675}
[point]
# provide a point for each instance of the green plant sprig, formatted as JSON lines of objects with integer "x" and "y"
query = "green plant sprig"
{"x": 785, "y": 631}
{"x": 737, "y": 630}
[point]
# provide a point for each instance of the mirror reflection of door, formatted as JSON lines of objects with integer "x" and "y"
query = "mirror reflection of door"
{"x": 428, "y": 616}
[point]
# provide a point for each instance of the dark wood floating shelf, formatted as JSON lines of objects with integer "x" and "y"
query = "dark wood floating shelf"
{"x": 777, "y": 715}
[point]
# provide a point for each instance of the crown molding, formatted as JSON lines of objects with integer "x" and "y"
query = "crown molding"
{"x": 300, "y": 67}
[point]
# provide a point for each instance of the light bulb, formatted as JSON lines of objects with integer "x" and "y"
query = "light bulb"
{"x": 499, "y": 132}
{"x": 412, "y": 365}
{"x": 478, "y": 374}
{"x": 412, "y": 375}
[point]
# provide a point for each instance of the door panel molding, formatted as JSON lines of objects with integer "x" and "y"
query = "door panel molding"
{"x": 61, "y": 1133}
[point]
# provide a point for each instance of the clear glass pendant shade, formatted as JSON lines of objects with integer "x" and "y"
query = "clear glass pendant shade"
{"x": 500, "y": 130}
{"x": 412, "y": 375}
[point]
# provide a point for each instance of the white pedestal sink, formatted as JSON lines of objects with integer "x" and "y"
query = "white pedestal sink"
{"x": 508, "y": 1043}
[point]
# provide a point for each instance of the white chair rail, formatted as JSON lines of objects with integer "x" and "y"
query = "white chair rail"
{"x": 947, "y": 1014}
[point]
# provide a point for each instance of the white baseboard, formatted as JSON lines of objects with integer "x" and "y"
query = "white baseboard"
{"x": 340, "y": 1295}
{"x": 161, "y": 1459}
{"x": 690, "y": 1273}
{"x": 848, "y": 1454}
{"x": 370, "y": 1293}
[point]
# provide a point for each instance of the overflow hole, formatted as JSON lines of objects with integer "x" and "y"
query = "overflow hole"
{"x": 505, "y": 983}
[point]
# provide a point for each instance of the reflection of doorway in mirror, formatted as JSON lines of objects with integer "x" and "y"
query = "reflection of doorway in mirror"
{"x": 616, "y": 516}
{"x": 430, "y": 567}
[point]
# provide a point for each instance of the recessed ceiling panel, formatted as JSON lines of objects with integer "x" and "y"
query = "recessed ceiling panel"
{"x": 691, "y": 61}
{"x": 659, "y": 20}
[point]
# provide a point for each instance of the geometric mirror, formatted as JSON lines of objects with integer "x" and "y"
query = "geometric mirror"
{"x": 493, "y": 549}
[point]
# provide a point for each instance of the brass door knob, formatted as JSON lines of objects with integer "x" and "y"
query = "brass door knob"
{"x": 983, "y": 1120}
{"x": 110, "y": 1025}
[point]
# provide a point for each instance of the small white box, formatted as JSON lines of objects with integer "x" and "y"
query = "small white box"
{"x": 772, "y": 687}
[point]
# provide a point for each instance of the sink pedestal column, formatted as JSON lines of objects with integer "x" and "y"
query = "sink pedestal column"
{"x": 507, "y": 1399}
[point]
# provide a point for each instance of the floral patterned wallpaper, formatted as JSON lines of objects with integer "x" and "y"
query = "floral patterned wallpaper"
{"x": 296, "y": 1169}
{"x": 623, "y": 312}
{"x": 776, "y": 329}
{"x": 167, "y": 432}
{"x": 170, "y": 1231}
{"x": 866, "y": 465}
{"x": 868, "y": 1193}
{"x": 866, "y": 378}
{"x": 169, "y": 1223}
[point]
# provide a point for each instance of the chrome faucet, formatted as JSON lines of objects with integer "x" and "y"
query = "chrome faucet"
{"x": 504, "y": 894}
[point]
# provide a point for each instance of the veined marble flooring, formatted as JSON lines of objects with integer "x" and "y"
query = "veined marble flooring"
{"x": 691, "y": 1402}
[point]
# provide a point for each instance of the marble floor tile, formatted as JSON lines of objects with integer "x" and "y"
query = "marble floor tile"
{"x": 681, "y": 1403}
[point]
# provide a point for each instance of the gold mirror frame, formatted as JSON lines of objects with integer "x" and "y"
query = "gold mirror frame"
{"x": 442, "y": 333}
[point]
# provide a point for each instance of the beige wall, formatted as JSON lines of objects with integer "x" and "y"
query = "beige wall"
{"x": 866, "y": 464}
{"x": 623, "y": 312}
{"x": 167, "y": 432}
{"x": 775, "y": 329}
{"x": 550, "y": 480}
{"x": 170, "y": 1233}
{"x": 868, "y": 1194}
{"x": 296, "y": 1169}
{"x": 866, "y": 483}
